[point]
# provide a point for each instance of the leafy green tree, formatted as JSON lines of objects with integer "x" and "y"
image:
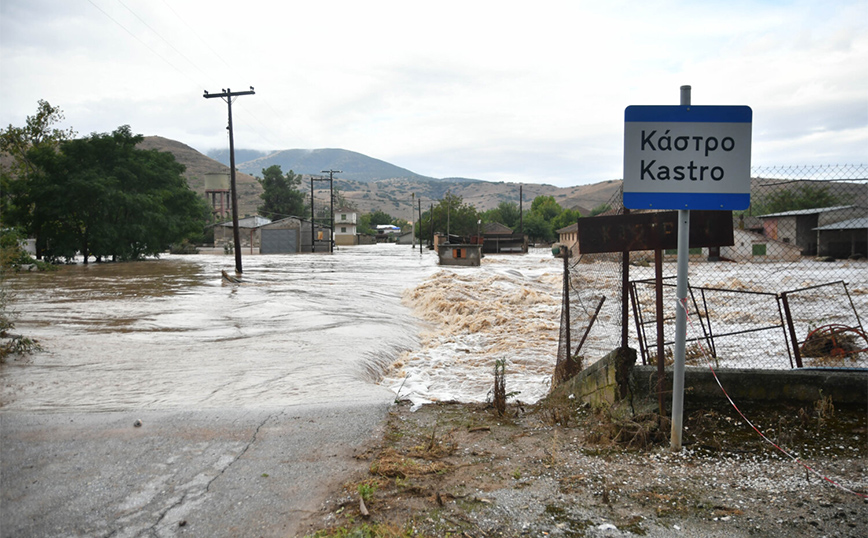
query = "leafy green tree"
{"x": 368, "y": 222}
{"x": 378, "y": 218}
{"x": 281, "y": 195}
{"x": 793, "y": 199}
{"x": 602, "y": 208}
{"x": 101, "y": 196}
{"x": 541, "y": 222}
{"x": 566, "y": 218}
{"x": 537, "y": 228}
{"x": 546, "y": 207}
{"x": 39, "y": 131}
{"x": 506, "y": 213}
{"x": 451, "y": 216}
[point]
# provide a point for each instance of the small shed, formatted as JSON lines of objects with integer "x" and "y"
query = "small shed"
{"x": 248, "y": 231}
{"x": 460, "y": 254}
{"x": 845, "y": 239}
{"x": 499, "y": 239}
{"x": 292, "y": 235}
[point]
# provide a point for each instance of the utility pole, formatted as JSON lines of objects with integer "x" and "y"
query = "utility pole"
{"x": 419, "y": 200}
{"x": 312, "y": 219}
{"x": 227, "y": 96}
{"x": 520, "y": 209}
{"x": 331, "y": 174}
{"x": 412, "y": 227}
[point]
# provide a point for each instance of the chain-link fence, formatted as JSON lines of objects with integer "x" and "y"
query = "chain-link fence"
{"x": 792, "y": 291}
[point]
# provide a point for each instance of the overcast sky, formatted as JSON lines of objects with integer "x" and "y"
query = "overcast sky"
{"x": 502, "y": 91}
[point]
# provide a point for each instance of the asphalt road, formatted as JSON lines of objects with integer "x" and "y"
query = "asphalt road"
{"x": 212, "y": 473}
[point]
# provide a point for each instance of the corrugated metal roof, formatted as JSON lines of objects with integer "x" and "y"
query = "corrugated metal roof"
{"x": 813, "y": 211}
{"x": 249, "y": 222}
{"x": 852, "y": 224}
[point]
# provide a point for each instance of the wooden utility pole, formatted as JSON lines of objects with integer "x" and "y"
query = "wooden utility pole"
{"x": 227, "y": 96}
{"x": 331, "y": 174}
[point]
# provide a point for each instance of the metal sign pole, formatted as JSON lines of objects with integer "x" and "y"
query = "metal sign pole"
{"x": 680, "y": 315}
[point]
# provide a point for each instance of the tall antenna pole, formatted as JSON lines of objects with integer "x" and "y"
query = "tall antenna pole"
{"x": 227, "y": 96}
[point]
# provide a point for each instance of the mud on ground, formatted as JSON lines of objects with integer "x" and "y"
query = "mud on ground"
{"x": 558, "y": 469}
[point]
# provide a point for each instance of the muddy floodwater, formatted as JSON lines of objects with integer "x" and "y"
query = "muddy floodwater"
{"x": 368, "y": 322}
{"x": 169, "y": 333}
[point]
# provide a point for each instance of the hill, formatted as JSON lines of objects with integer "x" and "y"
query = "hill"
{"x": 198, "y": 165}
{"x": 355, "y": 166}
{"x": 382, "y": 185}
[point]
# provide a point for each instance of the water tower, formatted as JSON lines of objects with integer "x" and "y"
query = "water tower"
{"x": 217, "y": 190}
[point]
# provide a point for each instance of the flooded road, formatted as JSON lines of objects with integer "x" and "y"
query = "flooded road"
{"x": 168, "y": 333}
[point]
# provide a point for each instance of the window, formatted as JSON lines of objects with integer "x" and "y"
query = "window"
{"x": 759, "y": 249}
{"x": 458, "y": 253}
{"x": 343, "y": 229}
{"x": 343, "y": 217}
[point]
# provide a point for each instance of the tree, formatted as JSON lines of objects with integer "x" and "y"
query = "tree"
{"x": 546, "y": 207}
{"x": 540, "y": 222}
{"x": 281, "y": 195}
{"x": 451, "y": 216}
{"x": 537, "y": 228}
{"x": 792, "y": 199}
{"x": 566, "y": 218}
{"x": 602, "y": 208}
{"x": 506, "y": 213}
{"x": 39, "y": 131}
{"x": 100, "y": 196}
{"x": 368, "y": 222}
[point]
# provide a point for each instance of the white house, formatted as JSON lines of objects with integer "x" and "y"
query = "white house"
{"x": 346, "y": 221}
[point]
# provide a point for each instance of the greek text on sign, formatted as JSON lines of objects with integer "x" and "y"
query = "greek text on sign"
{"x": 687, "y": 157}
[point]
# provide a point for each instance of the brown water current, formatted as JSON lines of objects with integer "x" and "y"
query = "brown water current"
{"x": 169, "y": 333}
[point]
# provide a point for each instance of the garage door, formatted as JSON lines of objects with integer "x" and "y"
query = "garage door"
{"x": 279, "y": 241}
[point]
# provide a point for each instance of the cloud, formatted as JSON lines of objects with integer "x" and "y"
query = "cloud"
{"x": 531, "y": 92}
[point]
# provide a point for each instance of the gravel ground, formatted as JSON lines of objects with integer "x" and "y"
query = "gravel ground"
{"x": 556, "y": 470}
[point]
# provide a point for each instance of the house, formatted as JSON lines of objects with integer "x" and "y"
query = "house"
{"x": 499, "y": 239}
{"x": 755, "y": 247}
{"x": 569, "y": 237}
{"x": 346, "y": 221}
{"x": 844, "y": 239}
{"x": 800, "y": 227}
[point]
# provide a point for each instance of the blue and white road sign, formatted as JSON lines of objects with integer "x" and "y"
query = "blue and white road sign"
{"x": 687, "y": 157}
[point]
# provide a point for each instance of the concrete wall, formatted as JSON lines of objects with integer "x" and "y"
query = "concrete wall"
{"x": 798, "y": 386}
{"x": 603, "y": 383}
{"x": 615, "y": 378}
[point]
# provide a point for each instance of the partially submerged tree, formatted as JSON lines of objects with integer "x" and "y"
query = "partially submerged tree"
{"x": 101, "y": 196}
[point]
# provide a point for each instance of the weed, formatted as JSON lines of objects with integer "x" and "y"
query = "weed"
{"x": 824, "y": 407}
{"x": 367, "y": 490}
{"x": 500, "y": 386}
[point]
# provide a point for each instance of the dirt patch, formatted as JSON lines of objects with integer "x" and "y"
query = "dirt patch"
{"x": 558, "y": 469}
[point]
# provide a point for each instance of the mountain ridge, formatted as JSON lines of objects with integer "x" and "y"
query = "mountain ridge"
{"x": 399, "y": 196}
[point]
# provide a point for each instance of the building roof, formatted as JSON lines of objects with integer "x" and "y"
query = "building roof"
{"x": 852, "y": 224}
{"x": 249, "y": 222}
{"x": 496, "y": 228}
{"x": 813, "y": 211}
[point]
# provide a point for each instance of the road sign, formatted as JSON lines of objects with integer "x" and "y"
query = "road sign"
{"x": 649, "y": 231}
{"x": 687, "y": 157}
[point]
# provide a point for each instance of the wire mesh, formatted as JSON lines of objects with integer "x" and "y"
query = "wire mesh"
{"x": 798, "y": 264}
